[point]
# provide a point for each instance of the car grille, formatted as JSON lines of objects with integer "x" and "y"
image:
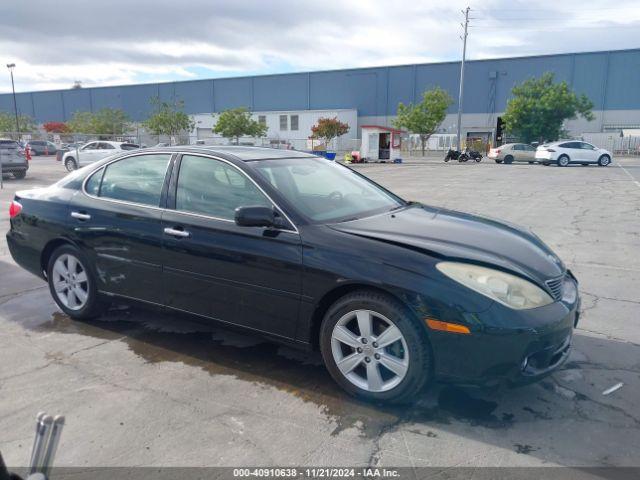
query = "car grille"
{"x": 555, "y": 287}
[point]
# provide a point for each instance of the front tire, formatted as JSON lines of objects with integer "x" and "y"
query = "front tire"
{"x": 70, "y": 164}
{"x": 374, "y": 348}
{"x": 563, "y": 161}
{"x": 72, "y": 283}
{"x": 604, "y": 160}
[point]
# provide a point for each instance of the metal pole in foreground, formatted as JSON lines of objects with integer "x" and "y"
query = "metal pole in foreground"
{"x": 461, "y": 93}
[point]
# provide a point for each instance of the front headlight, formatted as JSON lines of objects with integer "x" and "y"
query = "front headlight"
{"x": 512, "y": 291}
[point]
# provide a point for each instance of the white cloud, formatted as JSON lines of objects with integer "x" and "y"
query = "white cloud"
{"x": 121, "y": 41}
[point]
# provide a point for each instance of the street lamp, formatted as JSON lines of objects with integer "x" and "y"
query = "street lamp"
{"x": 11, "y": 66}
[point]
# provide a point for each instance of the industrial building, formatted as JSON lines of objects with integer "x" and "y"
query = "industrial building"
{"x": 290, "y": 103}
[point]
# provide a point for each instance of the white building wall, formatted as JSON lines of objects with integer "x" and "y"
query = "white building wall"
{"x": 306, "y": 119}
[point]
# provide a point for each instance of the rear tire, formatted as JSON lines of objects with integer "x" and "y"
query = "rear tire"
{"x": 563, "y": 161}
{"x": 498, "y": 161}
{"x": 604, "y": 160}
{"x": 72, "y": 283}
{"x": 364, "y": 362}
{"x": 508, "y": 159}
{"x": 70, "y": 164}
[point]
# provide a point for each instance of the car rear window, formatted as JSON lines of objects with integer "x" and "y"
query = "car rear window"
{"x": 129, "y": 146}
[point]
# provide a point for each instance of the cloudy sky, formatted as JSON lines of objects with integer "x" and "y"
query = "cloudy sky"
{"x": 54, "y": 43}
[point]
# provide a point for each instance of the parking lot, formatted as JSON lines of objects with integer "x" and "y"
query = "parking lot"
{"x": 144, "y": 388}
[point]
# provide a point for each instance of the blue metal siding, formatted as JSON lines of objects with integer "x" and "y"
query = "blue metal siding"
{"x": 197, "y": 95}
{"x": 110, "y": 97}
{"x": 623, "y": 84}
{"x": 48, "y": 106}
{"x": 232, "y": 93}
{"x": 75, "y": 101}
{"x": 608, "y": 78}
{"x": 280, "y": 92}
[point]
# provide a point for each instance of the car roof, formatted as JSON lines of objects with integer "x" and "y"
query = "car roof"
{"x": 244, "y": 153}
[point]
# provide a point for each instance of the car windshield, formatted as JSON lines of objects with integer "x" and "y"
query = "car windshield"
{"x": 325, "y": 191}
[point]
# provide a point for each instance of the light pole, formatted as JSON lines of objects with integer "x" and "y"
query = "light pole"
{"x": 461, "y": 93}
{"x": 11, "y": 66}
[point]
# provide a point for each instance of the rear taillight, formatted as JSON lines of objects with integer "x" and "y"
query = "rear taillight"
{"x": 498, "y": 151}
{"x": 14, "y": 209}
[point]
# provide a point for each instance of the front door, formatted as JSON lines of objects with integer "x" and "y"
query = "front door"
{"x": 246, "y": 276}
{"x": 88, "y": 153}
{"x": 374, "y": 145}
{"x": 116, "y": 220}
{"x": 588, "y": 153}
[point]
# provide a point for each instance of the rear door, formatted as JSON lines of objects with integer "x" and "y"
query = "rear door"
{"x": 249, "y": 276}
{"x": 117, "y": 221}
{"x": 105, "y": 149}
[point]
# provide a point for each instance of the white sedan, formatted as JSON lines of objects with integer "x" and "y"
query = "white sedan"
{"x": 92, "y": 152}
{"x": 565, "y": 152}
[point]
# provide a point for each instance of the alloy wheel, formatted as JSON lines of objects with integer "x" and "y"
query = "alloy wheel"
{"x": 369, "y": 350}
{"x": 70, "y": 282}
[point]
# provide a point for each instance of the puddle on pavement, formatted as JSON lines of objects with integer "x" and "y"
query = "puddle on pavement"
{"x": 162, "y": 337}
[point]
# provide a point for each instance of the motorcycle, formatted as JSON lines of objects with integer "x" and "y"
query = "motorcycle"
{"x": 463, "y": 156}
{"x": 475, "y": 155}
{"x": 456, "y": 155}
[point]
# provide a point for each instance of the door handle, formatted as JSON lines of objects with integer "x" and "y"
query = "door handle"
{"x": 81, "y": 216}
{"x": 177, "y": 233}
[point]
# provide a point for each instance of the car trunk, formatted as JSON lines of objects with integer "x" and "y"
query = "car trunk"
{"x": 10, "y": 153}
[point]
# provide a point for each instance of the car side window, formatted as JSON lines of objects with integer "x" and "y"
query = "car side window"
{"x": 93, "y": 184}
{"x": 89, "y": 146}
{"x": 214, "y": 188}
{"x": 106, "y": 146}
{"x": 586, "y": 146}
{"x": 136, "y": 179}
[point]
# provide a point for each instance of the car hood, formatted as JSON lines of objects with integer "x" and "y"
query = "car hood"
{"x": 461, "y": 236}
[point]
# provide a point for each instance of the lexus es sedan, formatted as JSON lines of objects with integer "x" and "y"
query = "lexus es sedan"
{"x": 513, "y": 152}
{"x": 92, "y": 152}
{"x": 308, "y": 252}
{"x": 565, "y": 152}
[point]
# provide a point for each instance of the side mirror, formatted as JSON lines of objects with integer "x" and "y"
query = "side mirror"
{"x": 255, "y": 216}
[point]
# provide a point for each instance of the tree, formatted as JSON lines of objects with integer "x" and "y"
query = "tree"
{"x": 110, "y": 121}
{"x": 56, "y": 127}
{"x": 107, "y": 121}
{"x": 8, "y": 123}
{"x": 168, "y": 119}
{"x": 328, "y": 129}
{"x": 237, "y": 122}
{"x": 81, "y": 122}
{"x": 425, "y": 117}
{"x": 539, "y": 108}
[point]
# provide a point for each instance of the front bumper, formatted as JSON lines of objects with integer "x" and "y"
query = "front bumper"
{"x": 508, "y": 347}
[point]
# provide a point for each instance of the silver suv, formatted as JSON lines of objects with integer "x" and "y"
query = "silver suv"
{"x": 12, "y": 158}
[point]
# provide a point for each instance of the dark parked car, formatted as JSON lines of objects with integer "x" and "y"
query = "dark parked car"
{"x": 12, "y": 158}
{"x": 42, "y": 147}
{"x": 308, "y": 252}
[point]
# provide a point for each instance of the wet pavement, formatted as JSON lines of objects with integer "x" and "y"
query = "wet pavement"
{"x": 143, "y": 387}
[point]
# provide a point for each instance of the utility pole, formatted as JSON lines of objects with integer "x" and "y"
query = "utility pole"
{"x": 11, "y": 66}
{"x": 464, "y": 55}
